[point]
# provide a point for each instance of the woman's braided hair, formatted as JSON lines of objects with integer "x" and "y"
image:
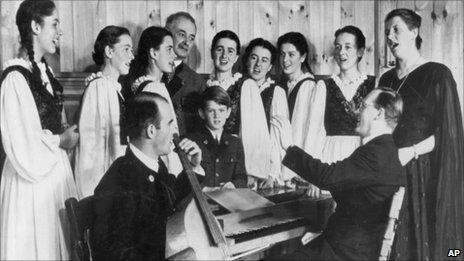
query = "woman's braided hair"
{"x": 33, "y": 10}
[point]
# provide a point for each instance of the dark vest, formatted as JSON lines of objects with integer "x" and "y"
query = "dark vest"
{"x": 49, "y": 106}
{"x": 341, "y": 115}
{"x": 293, "y": 94}
{"x": 267, "y": 96}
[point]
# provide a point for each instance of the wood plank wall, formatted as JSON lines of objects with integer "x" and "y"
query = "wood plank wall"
{"x": 442, "y": 28}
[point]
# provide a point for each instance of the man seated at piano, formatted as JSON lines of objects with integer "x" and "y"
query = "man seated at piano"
{"x": 222, "y": 153}
{"x": 362, "y": 185}
{"x": 137, "y": 194}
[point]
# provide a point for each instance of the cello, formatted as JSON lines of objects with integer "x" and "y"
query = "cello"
{"x": 193, "y": 233}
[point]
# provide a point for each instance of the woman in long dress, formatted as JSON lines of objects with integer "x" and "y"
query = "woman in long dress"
{"x": 155, "y": 56}
{"x": 432, "y": 220}
{"x": 102, "y": 140}
{"x": 37, "y": 177}
{"x": 259, "y": 58}
{"x": 247, "y": 118}
{"x": 299, "y": 84}
{"x": 336, "y": 100}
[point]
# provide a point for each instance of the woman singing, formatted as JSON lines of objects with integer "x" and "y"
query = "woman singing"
{"x": 102, "y": 108}
{"x": 259, "y": 58}
{"x": 37, "y": 177}
{"x": 337, "y": 99}
{"x": 430, "y": 133}
{"x": 299, "y": 84}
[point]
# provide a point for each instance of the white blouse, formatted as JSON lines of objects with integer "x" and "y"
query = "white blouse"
{"x": 99, "y": 131}
{"x": 36, "y": 178}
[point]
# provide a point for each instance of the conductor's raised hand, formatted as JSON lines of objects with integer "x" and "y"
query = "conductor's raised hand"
{"x": 192, "y": 150}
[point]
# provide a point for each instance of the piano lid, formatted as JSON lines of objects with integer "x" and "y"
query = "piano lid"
{"x": 241, "y": 199}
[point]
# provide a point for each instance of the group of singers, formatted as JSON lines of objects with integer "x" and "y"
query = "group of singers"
{"x": 344, "y": 135}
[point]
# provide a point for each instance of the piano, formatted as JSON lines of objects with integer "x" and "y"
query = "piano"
{"x": 262, "y": 220}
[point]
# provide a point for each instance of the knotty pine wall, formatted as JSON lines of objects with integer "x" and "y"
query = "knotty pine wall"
{"x": 442, "y": 28}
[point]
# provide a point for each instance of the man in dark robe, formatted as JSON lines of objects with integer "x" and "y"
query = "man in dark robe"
{"x": 137, "y": 194}
{"x": 184, "y": 85}
{"x": 362, "y": 185}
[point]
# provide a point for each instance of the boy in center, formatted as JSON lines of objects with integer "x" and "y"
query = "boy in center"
{"x": 223, "y": 156}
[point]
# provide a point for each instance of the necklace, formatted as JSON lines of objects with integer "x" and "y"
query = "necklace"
{"x": 418, "y": 63}
{"x": 402, "y": 82}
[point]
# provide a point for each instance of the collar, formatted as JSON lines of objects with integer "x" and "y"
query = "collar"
{"x": 18, "y": 61}
{"x": 141, "y": 80}
{"x": 349, "y": 88}
{"x": 266, "y": 84}
{"x": 216, "y": 134}
{"x": 28, "y": 65}
{"x": 177, "y": 63}
{"x": 225, "y": 84}
{"x": 356, "y": 82}
{"x": 116, "y": 85}
{"x": 291, "y": 84}
{"x": 146, "y": 160}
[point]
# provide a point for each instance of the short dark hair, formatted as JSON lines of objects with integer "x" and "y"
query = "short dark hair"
{"x": 392, "y": 103}
{"x": 175, "y": 16}
{"x": 299, "y": 41}
{"x": 262, "y": 43}
{"x": 225, "y": 34}
{"x": 216, "y": 94}
{"x": 357, "y": 33}
{"x": 108, "y": 36}
{"x": 350, "y": 29}
{"x": 141, "y": 111}
{"x": 411, "y": 19}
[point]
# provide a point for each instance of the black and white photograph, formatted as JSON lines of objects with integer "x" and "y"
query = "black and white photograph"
{"x": 231, "y": 130}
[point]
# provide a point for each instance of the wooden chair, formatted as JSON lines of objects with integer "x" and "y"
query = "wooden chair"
{"x": 397, "y": 201}
{"x": 80, "y": 219}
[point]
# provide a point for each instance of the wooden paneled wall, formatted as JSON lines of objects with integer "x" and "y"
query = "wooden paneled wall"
{"x": 317, "y": 20}
{"x": 442, "y": 28}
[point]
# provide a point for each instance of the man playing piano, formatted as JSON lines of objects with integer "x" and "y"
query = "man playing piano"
{"x": 137, "y": 194}
{"x": 362, "y": 185}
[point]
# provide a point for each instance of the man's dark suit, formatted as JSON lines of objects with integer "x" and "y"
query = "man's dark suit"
{"x": 185, "y": 88}
{"x": 132, "y": 203}
{"x": 222, "y": 162}
{"x": 362, "y": 186}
